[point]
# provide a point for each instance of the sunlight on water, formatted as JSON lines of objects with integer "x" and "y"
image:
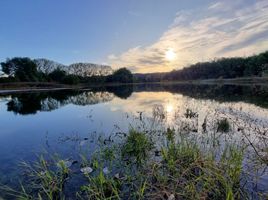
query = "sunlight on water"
{"x": 58, "y": 121}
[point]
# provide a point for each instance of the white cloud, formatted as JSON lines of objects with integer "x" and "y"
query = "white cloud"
{"x": 216, "y": 5}
{"x": 223, "y": 29}
{"x": 112, "y": 57}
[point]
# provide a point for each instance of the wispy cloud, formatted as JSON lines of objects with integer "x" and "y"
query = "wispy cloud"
{"x": 134, "y": 13}
{"x": 221, "y": 29}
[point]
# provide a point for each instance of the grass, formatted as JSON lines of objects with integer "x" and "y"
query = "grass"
{"x": 100, "y": 187}
{"x": 137, "y": 146}
{"x": 184, "y": 170}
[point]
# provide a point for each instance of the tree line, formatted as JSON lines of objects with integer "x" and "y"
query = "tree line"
{"x": 25, "y": 70}
{"x": 256, "y": 66}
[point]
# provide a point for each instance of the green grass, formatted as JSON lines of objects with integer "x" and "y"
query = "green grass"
{"x": 136, "y": 147}
{"x": 184, "y": 170}
{"x": 100, "y": 187}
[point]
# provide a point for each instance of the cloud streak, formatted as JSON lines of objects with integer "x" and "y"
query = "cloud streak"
{"x": 221, "y": 29}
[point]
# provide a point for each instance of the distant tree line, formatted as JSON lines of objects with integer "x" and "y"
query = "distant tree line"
{"x": 25, "y": 70}
{"x": 256, "y": 65}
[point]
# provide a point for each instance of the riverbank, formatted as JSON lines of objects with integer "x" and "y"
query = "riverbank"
{"x": 47, "y": 86}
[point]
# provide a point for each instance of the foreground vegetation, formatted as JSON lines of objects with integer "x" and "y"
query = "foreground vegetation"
{"x": 140, "y": 167}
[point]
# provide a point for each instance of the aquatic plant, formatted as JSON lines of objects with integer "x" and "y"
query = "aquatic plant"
{"x": 223, "y": 125}
{"x": 137, "y": 146}
{"x": 190, "y": 114}
{"x": 186, "y": 168}
{"x": 101, "y": 187}
{"x": 42, "y": 181}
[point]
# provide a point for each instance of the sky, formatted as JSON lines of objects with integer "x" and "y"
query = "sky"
{"x": 142, "y": 35}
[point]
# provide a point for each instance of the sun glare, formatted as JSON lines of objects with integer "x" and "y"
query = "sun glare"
{"x": 170, "y": 55}
{"x": 169, "y": 108}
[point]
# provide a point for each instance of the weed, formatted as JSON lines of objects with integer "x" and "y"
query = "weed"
{"x": 101, "y": 187}
{"x": 223, "y": 125}
{"x": 190, "y": 114}
{"x": 184, "y": 171}
{"x": 170, "y": 134}
{"x": 137, "y": 146}
{"x": 108, "y": 153}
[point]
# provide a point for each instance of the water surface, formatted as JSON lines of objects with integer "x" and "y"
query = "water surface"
{"x": 58, "y": 121}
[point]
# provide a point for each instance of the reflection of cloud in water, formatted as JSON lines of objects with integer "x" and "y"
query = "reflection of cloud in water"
{"x": 143, "y": 101}
{"x": 171, "y": 109}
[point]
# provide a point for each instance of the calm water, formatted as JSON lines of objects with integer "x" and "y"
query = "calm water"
{"x": 58, "y": 121}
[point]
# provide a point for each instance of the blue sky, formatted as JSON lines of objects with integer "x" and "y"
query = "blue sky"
{"x": 132, "y": 33}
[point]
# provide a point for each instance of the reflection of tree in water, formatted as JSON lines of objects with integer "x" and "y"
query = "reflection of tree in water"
{"x": 24, "y": 104}
{"x": 254, "y": 94}
{"x": 122, "y": 92}
{"x": 88, "y": 98}
{"x": 32, "y": 102}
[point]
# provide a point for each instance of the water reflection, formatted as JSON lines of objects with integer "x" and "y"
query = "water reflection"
{"x": 255, "y": 94}
{"x": 99, "y": 112}
{"x": 30, "y": 103}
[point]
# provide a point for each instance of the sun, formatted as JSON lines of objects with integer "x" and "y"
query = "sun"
{"x": 170, "y": 55}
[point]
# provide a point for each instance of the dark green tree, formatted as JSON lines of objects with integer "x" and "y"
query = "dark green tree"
{"x": 22, "y": 69}
{"x": 71, "y": 79}
{"x": 57, "y": 75}
{"x": 122, "y": 75}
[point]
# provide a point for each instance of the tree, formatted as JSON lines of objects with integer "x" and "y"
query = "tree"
{"x": 71, "y": 79}
{"x": 122, "y": 75}
{"x": 57, "y": 75}
{"x": 23, "y": 69}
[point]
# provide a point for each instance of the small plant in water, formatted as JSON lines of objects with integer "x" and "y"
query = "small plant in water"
{"x": 223, "y": 125}
{"x": 185, "y": 170}
{"x": 170, "y": 134}
{"x": 137, "y": 146}
{"x": 190, "y": 114}
{"x": 101, "y": 187}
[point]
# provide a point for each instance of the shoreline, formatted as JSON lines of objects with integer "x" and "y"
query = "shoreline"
{"x": 6, "y": 88}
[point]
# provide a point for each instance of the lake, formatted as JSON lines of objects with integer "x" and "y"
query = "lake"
{"x": 71, "y": 122}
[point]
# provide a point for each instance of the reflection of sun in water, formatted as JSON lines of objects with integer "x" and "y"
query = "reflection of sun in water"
{"x": 170, "y": 55}
{"x": 169, "y": 108}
